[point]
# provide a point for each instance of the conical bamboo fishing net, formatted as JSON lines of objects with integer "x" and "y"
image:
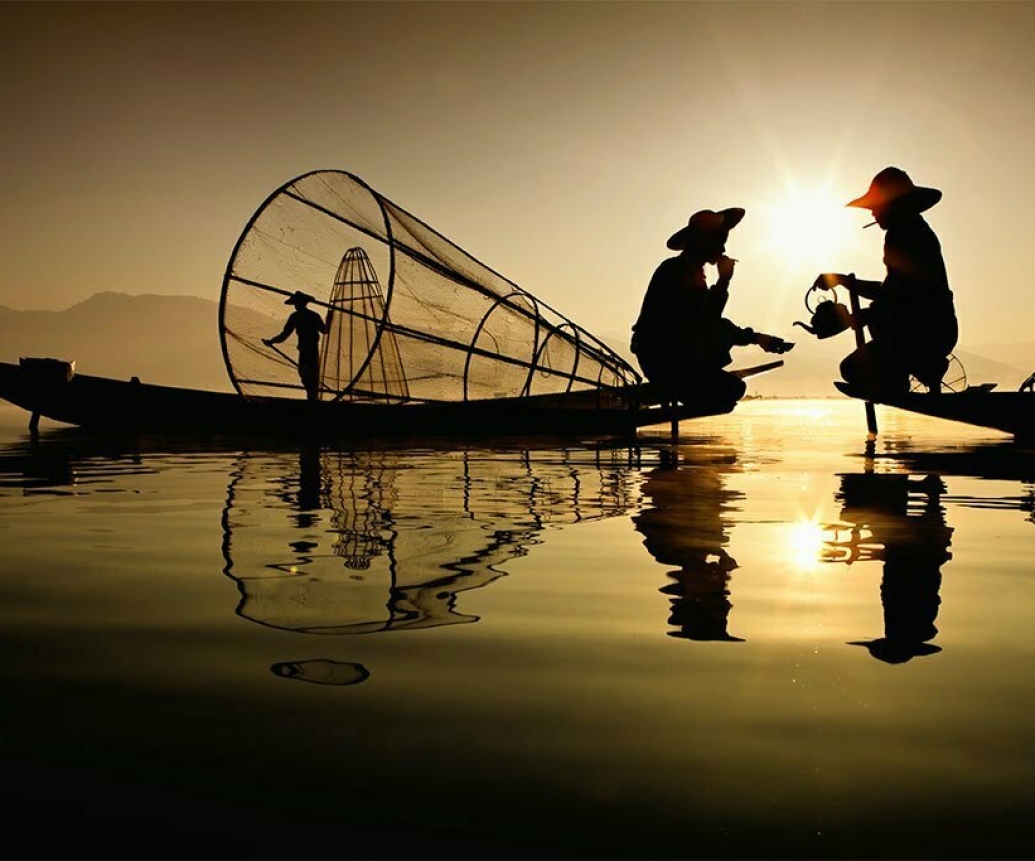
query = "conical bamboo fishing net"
{"x": 360, "y": 348}
{"x": 411, "y": 317}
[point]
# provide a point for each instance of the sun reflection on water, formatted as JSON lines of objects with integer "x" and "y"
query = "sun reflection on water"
{"x": 805, "y": 541}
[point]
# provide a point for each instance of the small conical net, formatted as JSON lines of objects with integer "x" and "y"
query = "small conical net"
{"x": 360, "y": 350}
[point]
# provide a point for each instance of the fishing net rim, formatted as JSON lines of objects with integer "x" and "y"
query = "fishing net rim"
{"x": 622, "y": 370}
{"x": 246, "y": 231}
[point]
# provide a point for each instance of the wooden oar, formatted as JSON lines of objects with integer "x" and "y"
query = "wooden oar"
{"x": 860, "y": 340}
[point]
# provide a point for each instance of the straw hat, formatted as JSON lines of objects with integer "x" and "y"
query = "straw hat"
{"x": 893, "y": 185}
{"x": 705, "y": 223}
{"x": 298, "y": 298}
{"x": 896, "y": 651}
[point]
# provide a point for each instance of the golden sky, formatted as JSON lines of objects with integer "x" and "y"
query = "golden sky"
{"x": 561, "y": 143}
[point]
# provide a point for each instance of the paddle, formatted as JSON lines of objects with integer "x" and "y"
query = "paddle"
{"x": 860, "y": 340}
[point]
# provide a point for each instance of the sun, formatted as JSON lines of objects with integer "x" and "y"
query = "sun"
{"x": 810, "y": 228}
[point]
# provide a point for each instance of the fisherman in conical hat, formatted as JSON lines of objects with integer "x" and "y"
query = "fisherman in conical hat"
{"x": 681, "y": 338}
{"x": 911, "y": 316}
{"x": 307, "y": 326}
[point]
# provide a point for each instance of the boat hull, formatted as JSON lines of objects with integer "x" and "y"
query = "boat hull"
{"x": 1009, "y": 412}
{"x": 105, "y": 404}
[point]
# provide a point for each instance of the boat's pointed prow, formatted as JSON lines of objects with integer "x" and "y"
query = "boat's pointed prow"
{"x": 755, "y": 370}
{"x": 846, "y": 389}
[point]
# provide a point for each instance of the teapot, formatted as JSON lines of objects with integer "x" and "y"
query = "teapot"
{"x": 829, "y": 317}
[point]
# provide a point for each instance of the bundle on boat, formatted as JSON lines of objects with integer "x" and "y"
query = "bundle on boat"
{"x": 411, "y": 317}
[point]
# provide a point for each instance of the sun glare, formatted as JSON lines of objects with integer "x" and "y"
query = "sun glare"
{"x": 805, "y": 544}
{"x": 810, "y": 228}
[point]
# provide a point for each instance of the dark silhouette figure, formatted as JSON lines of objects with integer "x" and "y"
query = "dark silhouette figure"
{"x": 683, "y": 525}
{"x": 907, "y": 529}
{"x": 307, "y": 325}
{"x": 681, "y": 338}
{"x": 911, "y": 316}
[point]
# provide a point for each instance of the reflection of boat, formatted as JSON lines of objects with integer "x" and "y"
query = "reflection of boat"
{"x": 324, "y": 541}
{"x": 420, "y": 338}
{"x": 330, "y": 542}
{"x": 1000, "y": 461}
{"x": 1009, "y": 412}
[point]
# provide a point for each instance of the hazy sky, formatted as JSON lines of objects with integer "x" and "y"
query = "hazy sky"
{"x": 560, "y": 143}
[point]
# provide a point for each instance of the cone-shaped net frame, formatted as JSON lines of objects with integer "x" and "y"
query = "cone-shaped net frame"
{"x": 410, "y": 316}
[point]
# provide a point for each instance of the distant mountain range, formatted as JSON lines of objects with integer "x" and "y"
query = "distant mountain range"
{"x": 174, "y": 341}
{"x": 169, "y": 340}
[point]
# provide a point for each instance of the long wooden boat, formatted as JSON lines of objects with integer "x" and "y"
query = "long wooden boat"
{"x": 980, "y": 406}
{"x": 417, "y": 337}
{"x": 52, "y": 389}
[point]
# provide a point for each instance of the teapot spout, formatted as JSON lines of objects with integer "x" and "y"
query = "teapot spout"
{"x": 805, "y": 326}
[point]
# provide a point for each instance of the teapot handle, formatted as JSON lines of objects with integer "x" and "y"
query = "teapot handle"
{"x": 814, "y": 288}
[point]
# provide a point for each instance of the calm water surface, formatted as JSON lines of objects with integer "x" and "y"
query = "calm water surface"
{"x": 757, "y": 642}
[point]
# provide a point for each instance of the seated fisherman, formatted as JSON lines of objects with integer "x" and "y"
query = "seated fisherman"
{"x": 681, "y": 338}
{"x": 911, "y": 316}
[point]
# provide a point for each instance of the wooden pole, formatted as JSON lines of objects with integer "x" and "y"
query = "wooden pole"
{"x": 860, "y": 340}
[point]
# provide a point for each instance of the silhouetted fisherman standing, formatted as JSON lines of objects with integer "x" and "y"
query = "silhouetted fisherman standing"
{"x": 307, "y": 326}
{"x": 912, "y": 317}
{"x": 681, "y": 338}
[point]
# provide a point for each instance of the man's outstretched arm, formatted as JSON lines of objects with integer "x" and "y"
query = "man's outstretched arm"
{"x": 285, "y": 333}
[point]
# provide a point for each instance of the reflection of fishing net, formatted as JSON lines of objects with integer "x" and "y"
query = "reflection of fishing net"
{"x": 322, "y": 671}
{"x": 390, "y": 541}
{"x": 360, "y": 501}
{"x": 412, "y": 317}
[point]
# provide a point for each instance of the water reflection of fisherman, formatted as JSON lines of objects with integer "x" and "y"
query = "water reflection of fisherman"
{"x": 306, "y": 497}
{"x": 310, "y": 485}
{"x": 307, "y": 326}
{"x": 913, "y": 545}
{"x": 683, "y": 525}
